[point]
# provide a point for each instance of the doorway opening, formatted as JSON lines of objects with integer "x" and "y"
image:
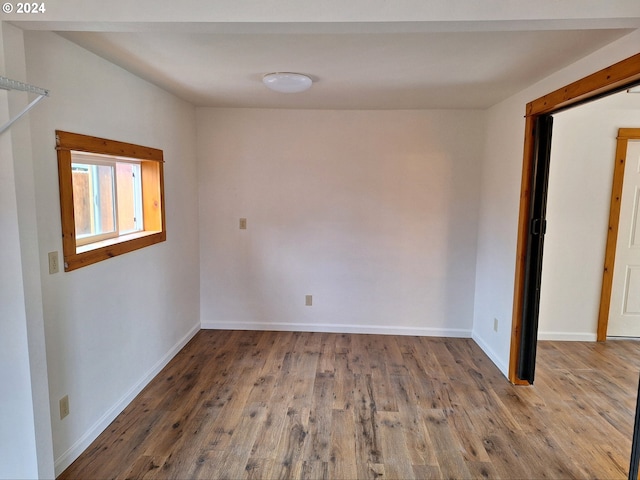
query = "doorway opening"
{"x": 617, "y": 77}
{"x": 578, "y": 296}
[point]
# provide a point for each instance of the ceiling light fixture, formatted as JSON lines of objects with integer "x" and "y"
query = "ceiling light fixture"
{"x": 287, "y": 82}
{"x": 635, "y": 89}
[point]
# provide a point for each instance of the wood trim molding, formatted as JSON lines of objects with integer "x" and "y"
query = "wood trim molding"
{"x": 521, "y": 248}
{"x": 624, "y": 135}
{"x": 603, "y": 81}
{"x": 151, "y": 164}
{"x": 606, "y": 80}
{"x": 66, "y": 198}
{"x": 85, "y": 143}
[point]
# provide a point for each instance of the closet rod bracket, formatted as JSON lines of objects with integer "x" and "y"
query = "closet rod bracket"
{"x": 8, "y": 84}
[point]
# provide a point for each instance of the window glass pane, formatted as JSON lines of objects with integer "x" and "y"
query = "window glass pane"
{"x": 82, "y": 198}
{"x": 129, "y": 197}
{"x": 93, "y": 199}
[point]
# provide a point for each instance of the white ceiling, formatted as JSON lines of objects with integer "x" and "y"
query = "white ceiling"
{"x": 407, "y": 54}
{"x": 350, "y": 71}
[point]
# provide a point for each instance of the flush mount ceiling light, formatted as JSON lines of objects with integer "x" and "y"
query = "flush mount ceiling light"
{"x": 287, "y": 82}
{"x": 635, "y": 89}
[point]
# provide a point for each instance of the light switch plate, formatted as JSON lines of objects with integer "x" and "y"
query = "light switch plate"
{"x": 64, "y": 406}
{"x": 54, "y": 265}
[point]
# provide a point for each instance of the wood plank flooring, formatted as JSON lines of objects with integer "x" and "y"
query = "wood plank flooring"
{"x": 263, "y": 405}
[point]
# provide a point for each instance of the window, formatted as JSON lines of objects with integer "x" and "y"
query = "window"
{"x": 107, "y": 197}
{"x": 111, "y": 198}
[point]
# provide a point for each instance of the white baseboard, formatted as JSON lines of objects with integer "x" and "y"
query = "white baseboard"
{"x": 493, "y": 356}
{"x": 340, "y": 328}
{"x": 67, "y": 458}
{"x": 567, "y": 336}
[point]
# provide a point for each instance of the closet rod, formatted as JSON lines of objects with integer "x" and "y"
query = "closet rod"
{"x": 8, "y": 84}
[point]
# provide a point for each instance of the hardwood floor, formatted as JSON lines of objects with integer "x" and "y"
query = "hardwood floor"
{"x": 262, "y": 405}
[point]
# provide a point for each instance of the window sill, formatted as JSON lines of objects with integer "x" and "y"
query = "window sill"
{"x": 96, "y": 252}
{"x": 112, "y": 241}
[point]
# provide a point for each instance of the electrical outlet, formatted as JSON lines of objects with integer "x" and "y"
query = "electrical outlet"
{"x": 308, "y": 300}
{"x": 495, "y": 324}
{"x": 243, "y": 224}
{"x": 54, "y": 266}
{"x": 64, "y": 406}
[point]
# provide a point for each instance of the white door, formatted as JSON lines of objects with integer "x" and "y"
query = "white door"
{"x": 624, "y": 312}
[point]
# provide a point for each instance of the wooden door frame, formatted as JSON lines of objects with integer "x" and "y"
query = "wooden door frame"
{"x": 624, "y": 135}
{"x": 597, "y": 84}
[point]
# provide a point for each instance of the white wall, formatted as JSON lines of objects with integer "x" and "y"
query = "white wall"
{"x": 580, "y": 178}
{"x": 110, "y": 326}
{"x": 374, "y": 213}
{"x": 17, "y": 428}
{"x": 500, "y": 192}
{"x": 25, "y": 430}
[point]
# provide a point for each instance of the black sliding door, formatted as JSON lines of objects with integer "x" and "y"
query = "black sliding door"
{"x": 535, "y": 243}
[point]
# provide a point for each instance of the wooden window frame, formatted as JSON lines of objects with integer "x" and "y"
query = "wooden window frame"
{"x": 151, "y": 166}
{"x": 597, "y": 84}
